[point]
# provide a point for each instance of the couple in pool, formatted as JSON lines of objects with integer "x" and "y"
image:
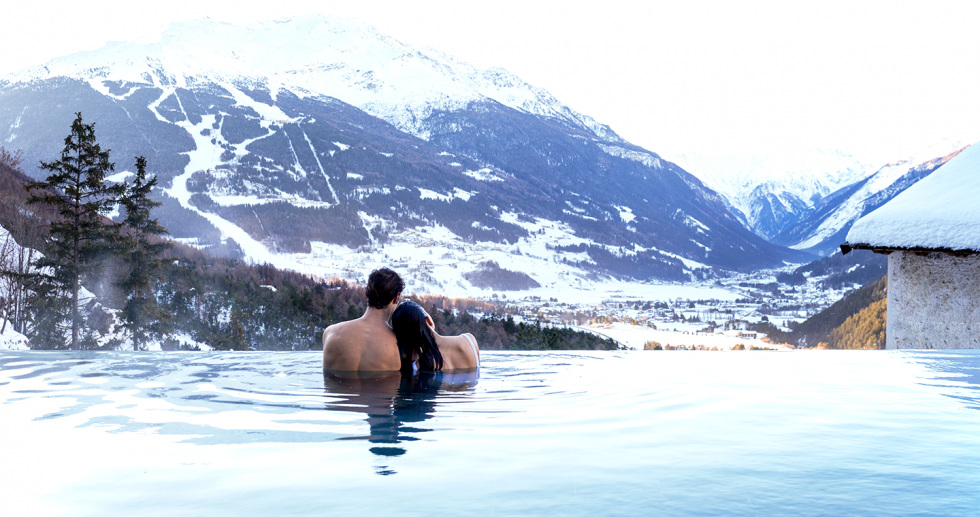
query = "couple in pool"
{"x": 394, "y": 334}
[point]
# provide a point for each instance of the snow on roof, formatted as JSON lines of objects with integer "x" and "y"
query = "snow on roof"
{"x": 941, "y": 211}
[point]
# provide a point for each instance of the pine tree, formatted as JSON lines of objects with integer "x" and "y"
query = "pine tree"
{"x": 141, "y": 254}
{"x": 238, "y": 334}
{"x": 81, "y": 236}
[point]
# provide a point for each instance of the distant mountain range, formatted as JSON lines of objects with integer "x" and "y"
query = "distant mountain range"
{"x": 808, "y": 199}
{"x": 773, "y": 192}
{"x": 276, "y": 138}
{"x": 826, "y": 227}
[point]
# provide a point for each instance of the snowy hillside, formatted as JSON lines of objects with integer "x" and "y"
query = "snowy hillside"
{"x": 773, "y": 192}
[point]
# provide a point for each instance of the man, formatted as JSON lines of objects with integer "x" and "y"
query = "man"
{"x": 367, "y": 344}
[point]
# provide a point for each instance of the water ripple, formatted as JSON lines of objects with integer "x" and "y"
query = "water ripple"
{"x": 884, "y": 433}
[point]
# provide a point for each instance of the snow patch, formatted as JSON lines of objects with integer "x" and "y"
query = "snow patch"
{"x": 457, "y": 193}
{"x": 10, "y": 339}
{"x": 694, "y": 223}
{"x": 485, "y": 174}
{"x": 625, "y": 213}
{"x": 119, "y": 177}
{"x": 645, "y": 158}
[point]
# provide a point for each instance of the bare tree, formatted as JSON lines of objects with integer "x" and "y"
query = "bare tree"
{"x": 7, "y": 246}
{"x": 12, "y": 160}
{"x": 25, "y": 234}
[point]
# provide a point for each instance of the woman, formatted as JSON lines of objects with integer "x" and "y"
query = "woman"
{"x": 418, "y": 341}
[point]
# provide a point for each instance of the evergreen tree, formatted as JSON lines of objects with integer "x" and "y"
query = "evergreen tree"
{"x": 237, "y": 333}
{"x": 80, "y": 234}
{"x": 141, "y": 254}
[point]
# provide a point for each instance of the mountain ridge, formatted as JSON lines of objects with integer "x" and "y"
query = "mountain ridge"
{"x": 773, "y": 192}
{"x": 826, "y": 227}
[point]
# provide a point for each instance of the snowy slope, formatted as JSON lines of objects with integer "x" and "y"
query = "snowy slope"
{"x": 940, "y": 211}
{"x": 772, "y": 192}
{"x": 341, "y": 58}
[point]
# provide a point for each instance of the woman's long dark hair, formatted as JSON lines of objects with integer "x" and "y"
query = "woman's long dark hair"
{"x": 414, "y": 336}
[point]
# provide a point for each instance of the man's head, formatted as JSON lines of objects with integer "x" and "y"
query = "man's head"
{"x": 383, "y": 287}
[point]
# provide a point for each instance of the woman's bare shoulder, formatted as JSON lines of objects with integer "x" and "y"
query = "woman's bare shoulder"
{"x": 451, "y": 346}
{"x": 457, "y": 343}
{"x": 466, "y": 338}
{"x": 461, "y": 352}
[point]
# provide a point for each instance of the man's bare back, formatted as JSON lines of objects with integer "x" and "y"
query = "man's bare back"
{"x": 365, "y": 344}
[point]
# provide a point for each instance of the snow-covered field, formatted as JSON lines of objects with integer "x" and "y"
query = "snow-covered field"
{"x": 675, "y": 335}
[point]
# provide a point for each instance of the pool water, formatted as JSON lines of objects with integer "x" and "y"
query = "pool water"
{"x": 594, "y": 433}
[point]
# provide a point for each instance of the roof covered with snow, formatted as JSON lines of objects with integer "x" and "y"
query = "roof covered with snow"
{"x": 941, "y": 211}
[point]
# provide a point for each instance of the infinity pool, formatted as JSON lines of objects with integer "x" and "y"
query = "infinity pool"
{"x": 611, "y": 433}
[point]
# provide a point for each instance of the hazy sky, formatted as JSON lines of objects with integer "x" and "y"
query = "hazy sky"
{"x": 880, "y": 79}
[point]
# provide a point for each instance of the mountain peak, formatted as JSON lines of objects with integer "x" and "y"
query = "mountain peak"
{"x": 337, "y": 57}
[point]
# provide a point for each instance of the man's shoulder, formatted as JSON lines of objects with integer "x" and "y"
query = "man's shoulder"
{"x": 342, "y": 324}
{"x": 339, "y": 353}
{"x": 340, "y": 328}
{"x": 357, "y": 334}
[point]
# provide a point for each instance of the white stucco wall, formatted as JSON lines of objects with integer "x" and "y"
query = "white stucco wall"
{"x": 933, "y": 301}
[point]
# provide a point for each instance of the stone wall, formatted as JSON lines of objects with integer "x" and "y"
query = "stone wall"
{"x": 933, "y": 301}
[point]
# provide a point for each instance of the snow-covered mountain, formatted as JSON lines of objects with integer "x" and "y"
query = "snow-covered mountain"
{"x": 771, "y": 193}
{"x": 345, "y": 59}
{"x": 823, "y": 230}
{"x": 310, "y": 139}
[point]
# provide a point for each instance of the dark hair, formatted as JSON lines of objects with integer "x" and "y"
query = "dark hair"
{"x": 383, "y": 286}
{"x": 414, "y": 336}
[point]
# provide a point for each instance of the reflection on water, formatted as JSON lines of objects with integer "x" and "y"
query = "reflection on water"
{"x": 395, "y": 404}
{"x": 957, "y": 371}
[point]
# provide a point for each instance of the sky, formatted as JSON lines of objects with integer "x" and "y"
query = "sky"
{"x": 877, "y": 79}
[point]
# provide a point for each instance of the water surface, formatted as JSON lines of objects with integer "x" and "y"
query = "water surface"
{"x": 610, "y": 433}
